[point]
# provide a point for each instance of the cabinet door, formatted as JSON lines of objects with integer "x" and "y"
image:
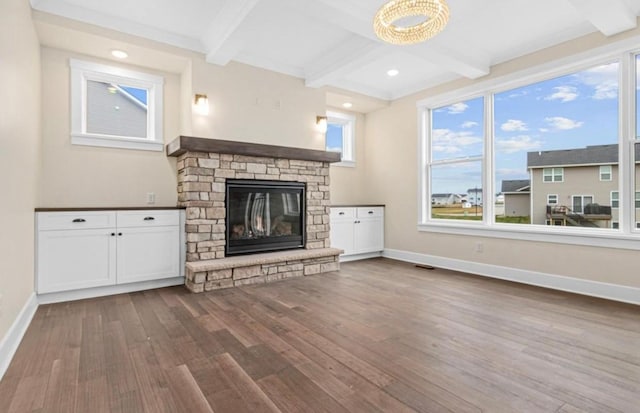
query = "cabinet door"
{"x": 342, "y": 235}
{"x": 148, "y": 253}
{"x": 73, "y": 259}
{"x": 369, "y": 235}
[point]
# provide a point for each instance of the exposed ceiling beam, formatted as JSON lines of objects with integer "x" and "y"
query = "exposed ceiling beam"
{"x": 610, "y": 17}
{"x": 218, "y": 32}
{"x": 350, "y": 17}
{"x": 348, "y": 56}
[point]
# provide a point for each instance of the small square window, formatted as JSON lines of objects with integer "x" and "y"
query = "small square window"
{"x": 115, "y": 107}
{"x": 615, "y": 225}
{"x": 552, "y": 199}
{"x": 606, "y": 173}
{"x": 340, "y": 136}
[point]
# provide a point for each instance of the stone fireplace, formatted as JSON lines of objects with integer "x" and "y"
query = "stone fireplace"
{"x": 206, "y": 170}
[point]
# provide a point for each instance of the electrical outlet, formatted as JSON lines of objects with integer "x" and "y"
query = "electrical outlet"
{"x": 151, "y": 198}
{"x": 479, "y": 247}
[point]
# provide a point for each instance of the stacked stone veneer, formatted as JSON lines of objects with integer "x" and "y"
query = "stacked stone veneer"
{"x": 201, "y": 190}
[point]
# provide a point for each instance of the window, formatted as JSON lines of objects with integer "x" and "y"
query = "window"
{"x": 605, "y": 173}
{"x": 637, "y": 199}
{"x": 341, "y": 136}
{"x": 579, "y": 202}
{"x": 115, "y": 107}
{"x": 615, "y": 225}
{"x": 553, "y": 174}
{"x": 615, "y": 199}
{"x": 538, "y": 130}
{"x": 456, "y": 159}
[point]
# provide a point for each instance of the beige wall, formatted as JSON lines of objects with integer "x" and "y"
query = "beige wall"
{"x": 19, "y": 155}
{"x": 517, "y": 205}
{"x": 392, "y": 171}
{"x": 87, "y": 176}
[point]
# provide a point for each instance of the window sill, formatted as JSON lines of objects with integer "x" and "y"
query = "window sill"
{"x": 607, "y": 238}
{"x": 346, "y": 164}
{"x": 107, "y": 141}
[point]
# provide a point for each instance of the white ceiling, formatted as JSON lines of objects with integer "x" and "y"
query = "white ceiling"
{"x": 331, "y": 42}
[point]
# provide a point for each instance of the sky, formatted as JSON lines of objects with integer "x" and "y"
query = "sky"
{"x": 571, "y": 111}
{"x": 334, "y": 137}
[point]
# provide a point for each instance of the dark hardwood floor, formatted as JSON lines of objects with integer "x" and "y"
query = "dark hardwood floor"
{"x": 379, "y": 336}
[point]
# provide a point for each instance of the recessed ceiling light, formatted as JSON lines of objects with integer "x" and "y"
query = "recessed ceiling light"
{"x": 347, "y": 105}
{"x": 120, "y": 54}
{"x": 393, "y": 72}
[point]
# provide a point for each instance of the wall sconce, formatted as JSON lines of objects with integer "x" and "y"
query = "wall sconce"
{"x": 321, "y": 124}
{"x": 201, "y": 103}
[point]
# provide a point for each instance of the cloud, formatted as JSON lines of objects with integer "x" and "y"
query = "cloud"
{"x": 513, "y": 125}
{"x": 560, "y": 123}
{"x": 563, "y": 94}
{"x": 448, "y": 141}
{"x": 543, "y": 130}
{"x": 506, "y": 172}
{"x": 603, "y": 79}
{"x": 457, "y": 108}
{"x": 517, "y": 144}
{"x": 469, "y": 124}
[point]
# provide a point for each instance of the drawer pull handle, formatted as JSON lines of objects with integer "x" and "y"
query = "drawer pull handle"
{"x": 149, "y": 218}
{"x": 79, "y": 220}
{"x": 119, "y": 234}
{"x": 370, "y": 212}
{"x": 113, "y": 234}
{"x": 341, "y": 213}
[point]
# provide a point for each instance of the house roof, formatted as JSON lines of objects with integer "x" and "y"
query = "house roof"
{"x": 443, "y": 195}
{"x": 516, "y": 185}
{"x": 596, "y": 154}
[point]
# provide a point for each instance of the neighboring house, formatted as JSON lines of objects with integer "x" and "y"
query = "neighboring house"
{"x": 568, "y": 180}
{"x": 517, "y": 197}
{"x": 445, "y": 199}
{"x": 112, "y": 110}
{"x": 474, "y": 196}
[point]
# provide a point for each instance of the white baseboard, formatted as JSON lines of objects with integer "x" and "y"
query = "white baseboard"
{"x": 63, "y": 296}
{"x": 355, "y": 257}
{"x": 12, "y": 339}
{"x": 613, "y": 292}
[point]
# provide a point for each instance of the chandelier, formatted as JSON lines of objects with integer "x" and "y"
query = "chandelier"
{"x": 436, "y": 13}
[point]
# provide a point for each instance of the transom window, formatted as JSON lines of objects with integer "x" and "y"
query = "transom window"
{"x": 553, "y": 174}
{"x": 605, "y": 172}
{"x": 340, "y": 136}
{"x": 115, "y": 107}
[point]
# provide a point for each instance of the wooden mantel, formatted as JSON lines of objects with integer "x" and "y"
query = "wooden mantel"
{"x": 184, "y": 144}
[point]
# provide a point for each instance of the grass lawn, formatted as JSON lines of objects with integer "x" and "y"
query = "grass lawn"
{"x": 472, "y": 214}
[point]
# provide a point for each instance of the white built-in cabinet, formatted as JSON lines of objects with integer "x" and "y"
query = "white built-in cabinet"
{"x": 358, "y": 230}
{"x": 85, "y": 249}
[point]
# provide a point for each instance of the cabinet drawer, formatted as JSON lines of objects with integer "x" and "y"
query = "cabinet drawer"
{"x": 372, "y": 212}
{"x": 75, "y": 220}
{"x": 130, "y": 219}
{"x": 343, "y": 212}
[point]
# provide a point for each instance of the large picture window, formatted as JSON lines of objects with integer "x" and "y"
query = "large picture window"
{"x": 557, "y": 133}
{"x": 115, "y": 107}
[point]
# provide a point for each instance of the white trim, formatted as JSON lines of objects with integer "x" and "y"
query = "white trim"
{"x": 554, "y": 195}
{"x": 363, "y": 256}
{"x": 14, "y": 335}
{"x": 81, "y": 72}
{"x": 610, "y": 173}
{"x": 63, "y": 296}
{"x": 608, "y": 291}
{"x": 539, "y": 233}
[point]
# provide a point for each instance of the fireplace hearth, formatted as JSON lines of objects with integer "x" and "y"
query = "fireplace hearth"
{"x": 264, "y": 216}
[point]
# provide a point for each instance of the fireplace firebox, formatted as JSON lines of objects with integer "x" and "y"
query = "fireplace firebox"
{"x": 264, "y": 216}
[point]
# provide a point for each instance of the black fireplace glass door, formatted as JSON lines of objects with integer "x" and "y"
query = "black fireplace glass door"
{"x": 264, "y": 216}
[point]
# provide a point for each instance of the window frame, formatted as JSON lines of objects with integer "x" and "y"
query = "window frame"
{"x": 624, "y": 52}
{"x": 549, "y": 199}
{"x": 348, "y": 122}
{"x": 616, "y": 199}
{"x": 582, "y": 203}
{"x": 610, "y": 173}
{"x": 82, "y": 72}
{"x": 553, "y": 175}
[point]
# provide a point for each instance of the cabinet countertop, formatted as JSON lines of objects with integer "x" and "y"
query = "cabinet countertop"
{"x": 357, "y": 205}
{"x": 65, "y": 209}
